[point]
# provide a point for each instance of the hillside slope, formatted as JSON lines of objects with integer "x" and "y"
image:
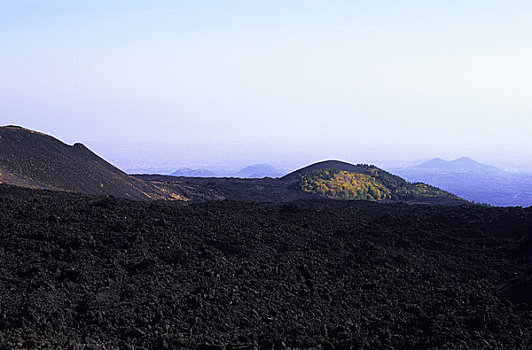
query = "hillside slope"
{"x": 340, "y": 180}
{"x": 36, "y": 160}
{"x": 329, "y": 179}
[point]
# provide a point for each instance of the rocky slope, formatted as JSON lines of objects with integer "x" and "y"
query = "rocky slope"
{"x": 36, "y": 160}
{"x": 96, "y": 273}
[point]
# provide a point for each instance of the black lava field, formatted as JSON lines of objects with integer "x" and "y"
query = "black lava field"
{"x": 82, "y": 272}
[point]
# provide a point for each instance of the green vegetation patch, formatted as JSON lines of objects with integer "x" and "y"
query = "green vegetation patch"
{"x": 375, "y": 185}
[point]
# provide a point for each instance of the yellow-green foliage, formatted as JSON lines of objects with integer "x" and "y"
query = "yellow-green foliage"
{"x": 424, "y": 190}
{"x": 345, "y": 185}
{"x": 376, "y": 185}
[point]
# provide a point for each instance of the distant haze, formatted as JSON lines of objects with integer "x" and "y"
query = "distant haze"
{"x": 225, "y": 84}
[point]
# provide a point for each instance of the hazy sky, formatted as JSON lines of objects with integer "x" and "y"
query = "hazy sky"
{"x": 247, "y": 81}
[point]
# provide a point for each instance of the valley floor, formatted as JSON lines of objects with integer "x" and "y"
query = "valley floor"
{"x": 100, "y": 273}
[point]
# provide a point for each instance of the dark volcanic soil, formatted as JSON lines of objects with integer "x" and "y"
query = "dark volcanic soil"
{"x": 100, "y": 273}
{"x": 32, "y": 159}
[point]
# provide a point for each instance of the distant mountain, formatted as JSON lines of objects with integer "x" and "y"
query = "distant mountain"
{"x": 463, "y": 165}
{"x": 434, "y": 163}
{"x": 187, "y": 172}
{"x": 473, "y": 181}
{"x": 36, "y": 160}
{"x": 328, "y": 179}
{"x": 259, "y": 171}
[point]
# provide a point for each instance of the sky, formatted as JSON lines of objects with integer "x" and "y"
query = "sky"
{"x": 165, "y": 84}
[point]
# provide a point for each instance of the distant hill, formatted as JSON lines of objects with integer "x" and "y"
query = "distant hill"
{"x": 328, "y": 164}
{"x": 187, "y": 172}
{"x": 259, "y": 171}
{"x": 36, "y": 160}
{"x": 473, "y": 181}
{"x": 329, "y": 179}
{"x": 463, "y": 165}
{"x": 341, "y": 180}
